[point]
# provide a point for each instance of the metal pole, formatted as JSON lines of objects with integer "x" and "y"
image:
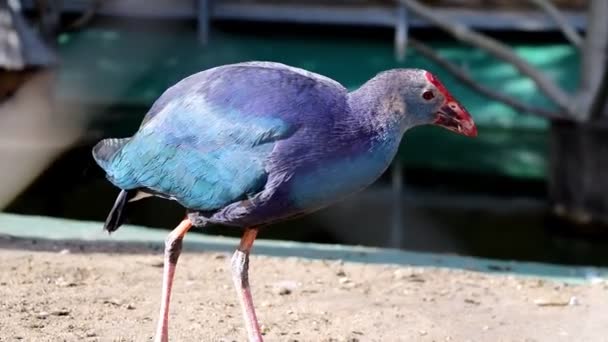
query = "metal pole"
{"x": 401, "y": 32}
{"x": 396, "y": 236}
{"x": 203, "y": 16}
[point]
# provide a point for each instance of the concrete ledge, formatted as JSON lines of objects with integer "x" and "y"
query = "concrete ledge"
{"x": 47, "y": 228}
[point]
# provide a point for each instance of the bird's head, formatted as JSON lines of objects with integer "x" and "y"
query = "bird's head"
{"x": 447, "y": 112}
{"x": 422, "y": 99}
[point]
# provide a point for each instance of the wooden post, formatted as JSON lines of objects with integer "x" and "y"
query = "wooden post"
{"x": 401, "y": 32}
{"x": 577, "y": 175}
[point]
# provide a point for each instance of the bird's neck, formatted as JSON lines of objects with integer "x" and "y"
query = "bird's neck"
{"x": 378, "y": 109}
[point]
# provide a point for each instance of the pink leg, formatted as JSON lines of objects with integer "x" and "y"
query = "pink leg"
{"x": 173, "y": 248}
{"x": 240, "y": 277}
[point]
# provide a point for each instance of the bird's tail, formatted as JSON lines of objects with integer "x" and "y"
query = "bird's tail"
{"x": 106, "y": 149}
{"x": 104, "y": 153}
{"x": 117, "y": 214}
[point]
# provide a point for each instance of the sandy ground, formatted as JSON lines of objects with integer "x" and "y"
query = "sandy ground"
{"x": 74, "y": 292}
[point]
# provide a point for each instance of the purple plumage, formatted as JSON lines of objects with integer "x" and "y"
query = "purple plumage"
{"x": 252, "y": 143}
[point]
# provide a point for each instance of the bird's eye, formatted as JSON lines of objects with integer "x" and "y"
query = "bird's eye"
{"x": 428, "y": 95}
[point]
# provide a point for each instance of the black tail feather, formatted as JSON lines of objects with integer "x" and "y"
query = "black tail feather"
{"x": 117, "y": 215}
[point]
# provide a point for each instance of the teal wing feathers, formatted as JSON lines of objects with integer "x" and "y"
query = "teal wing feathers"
{"x": 201, "y": 155}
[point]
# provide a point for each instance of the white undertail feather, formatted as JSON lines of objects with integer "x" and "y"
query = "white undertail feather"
{"x": 140, "y": 195}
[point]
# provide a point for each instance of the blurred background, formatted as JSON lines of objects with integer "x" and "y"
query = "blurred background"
{"x": 532, "y": 186}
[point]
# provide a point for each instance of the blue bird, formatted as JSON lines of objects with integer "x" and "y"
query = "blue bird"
{"x": 254, "y": 143}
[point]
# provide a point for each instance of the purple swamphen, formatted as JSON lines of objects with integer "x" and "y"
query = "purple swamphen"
{"x": 254, "y": 143}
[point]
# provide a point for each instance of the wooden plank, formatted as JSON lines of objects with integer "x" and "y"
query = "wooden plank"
{"x": 152, "y": 9}
{"x": 307, "y": 14}
{"x": 386, "y": 16}
{"x": 346, "y": 14}
{"x": 510, "y": 20}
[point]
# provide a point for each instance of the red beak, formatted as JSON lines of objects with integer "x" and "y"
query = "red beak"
{"x": 454, "y": 117}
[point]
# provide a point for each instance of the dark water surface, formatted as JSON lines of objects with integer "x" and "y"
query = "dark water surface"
{"x": 507, "y": 220}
